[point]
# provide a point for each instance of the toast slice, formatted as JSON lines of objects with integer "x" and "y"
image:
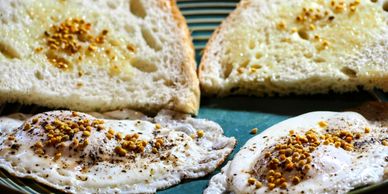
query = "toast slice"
{"x": 298, "y": 47}
{"x": 97, "y": 55}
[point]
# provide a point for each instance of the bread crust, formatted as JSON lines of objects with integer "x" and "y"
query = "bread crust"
{"x": 189, "y": 66}
{"x": 241, "y": 5}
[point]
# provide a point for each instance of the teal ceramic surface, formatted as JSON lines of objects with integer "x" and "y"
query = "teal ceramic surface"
{"x": 237, "y": 115}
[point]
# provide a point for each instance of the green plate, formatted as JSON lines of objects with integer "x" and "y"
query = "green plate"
{"x": 237, "y": 115}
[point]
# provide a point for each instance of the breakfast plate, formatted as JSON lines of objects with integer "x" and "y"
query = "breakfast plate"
{"x": 237, "y": 115}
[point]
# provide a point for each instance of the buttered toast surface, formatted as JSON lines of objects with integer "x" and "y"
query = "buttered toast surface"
{"x": 97, "y": 55}
{"x": 301, "y": 47}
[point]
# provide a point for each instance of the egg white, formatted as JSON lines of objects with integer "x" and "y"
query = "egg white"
{"x": 334, "y": 169}
{"x": 78, "y": 172}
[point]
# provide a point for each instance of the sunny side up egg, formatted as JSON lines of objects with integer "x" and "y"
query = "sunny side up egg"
{"x": 78, "y": 153}
{"x": 318, "y": 152}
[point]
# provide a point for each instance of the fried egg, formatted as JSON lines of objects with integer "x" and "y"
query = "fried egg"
{"x": 318, "y": 152}
{"x": 79, "y": 153}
